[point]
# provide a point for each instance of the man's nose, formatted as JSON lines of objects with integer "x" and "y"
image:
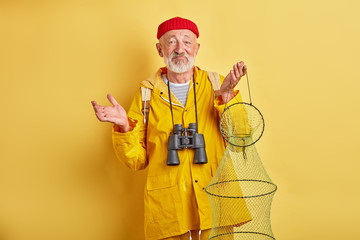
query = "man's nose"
{"x": 179, "y": 47}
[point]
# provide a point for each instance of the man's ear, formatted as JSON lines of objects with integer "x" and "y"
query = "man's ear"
{"x": 158, "y": 47}
{"x": 197, "y": 49}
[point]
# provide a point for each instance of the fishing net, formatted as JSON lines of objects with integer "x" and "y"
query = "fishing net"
{"x": 241, "y": 191}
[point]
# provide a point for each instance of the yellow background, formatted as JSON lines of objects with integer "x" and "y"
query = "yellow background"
{"x": 59, "y": 178}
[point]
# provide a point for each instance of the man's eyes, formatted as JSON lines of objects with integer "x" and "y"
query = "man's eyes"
{"x": 173, "y": 42}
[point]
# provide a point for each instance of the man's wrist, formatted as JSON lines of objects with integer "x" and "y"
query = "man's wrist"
{"x": 227, "y": 96}
{"x": 127, "y": 127}
{"x": 122, "y": 129}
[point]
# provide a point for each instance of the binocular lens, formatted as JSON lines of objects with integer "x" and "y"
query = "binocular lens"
{"x": 173, "y": 158}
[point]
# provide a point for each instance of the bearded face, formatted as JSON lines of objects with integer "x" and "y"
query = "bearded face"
{"x": 179, "y": 49}
{"x": 179, "y": 63}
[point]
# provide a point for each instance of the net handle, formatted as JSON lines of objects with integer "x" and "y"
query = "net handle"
{"x": 247, "y": 79}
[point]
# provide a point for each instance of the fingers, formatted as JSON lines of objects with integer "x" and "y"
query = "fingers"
{"x": 239, "y": 69}
{"x": 99, "y": 110}
{"x": 97, "y": 107}
{"x": 112, "y": 100}
{"x": 244, "y": 70}
{"x": 94, "y": 104}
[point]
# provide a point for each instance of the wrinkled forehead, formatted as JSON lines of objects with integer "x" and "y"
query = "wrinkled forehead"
{"x": 179, "y": 34}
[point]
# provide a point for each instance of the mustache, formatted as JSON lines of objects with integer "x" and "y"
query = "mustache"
{"x": 175, "y": 54}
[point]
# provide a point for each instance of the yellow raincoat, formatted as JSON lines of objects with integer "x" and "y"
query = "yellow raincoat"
{"x": 175, "y": 199}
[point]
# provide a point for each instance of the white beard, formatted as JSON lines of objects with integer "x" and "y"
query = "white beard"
{"x": 179, "y": 66}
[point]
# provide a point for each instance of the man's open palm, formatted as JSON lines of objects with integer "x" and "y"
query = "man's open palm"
{"x": 115, "y": 114}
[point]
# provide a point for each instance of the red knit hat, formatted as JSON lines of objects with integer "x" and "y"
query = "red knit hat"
{"x": 177, "y": 23}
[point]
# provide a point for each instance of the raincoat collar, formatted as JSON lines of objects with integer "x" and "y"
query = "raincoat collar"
{"x": 158, "y": 86}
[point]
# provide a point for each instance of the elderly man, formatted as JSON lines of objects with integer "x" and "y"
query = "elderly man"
{"x": 176, "y": 204}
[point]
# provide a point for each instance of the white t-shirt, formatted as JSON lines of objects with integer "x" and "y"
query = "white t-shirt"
{"x": 180, "y": 90}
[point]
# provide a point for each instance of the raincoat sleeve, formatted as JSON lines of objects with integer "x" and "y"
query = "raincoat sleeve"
{"x": 130, "y": 147}
{"x": 241, "y": 126}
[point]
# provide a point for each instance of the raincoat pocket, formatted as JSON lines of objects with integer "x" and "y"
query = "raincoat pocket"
{"x": 160, "y": 181}
{"x": 163, "y": 203}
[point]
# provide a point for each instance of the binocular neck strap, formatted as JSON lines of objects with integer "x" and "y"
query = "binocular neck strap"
{"x": 196, "y": 117}
{"x": 172, "y": 114}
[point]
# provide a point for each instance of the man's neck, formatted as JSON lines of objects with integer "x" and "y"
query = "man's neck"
{"x": 179, "y": 77}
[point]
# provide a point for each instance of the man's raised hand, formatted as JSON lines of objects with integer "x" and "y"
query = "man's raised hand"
{"x": 115, "y": 114}
{"x": 231, "y": 80}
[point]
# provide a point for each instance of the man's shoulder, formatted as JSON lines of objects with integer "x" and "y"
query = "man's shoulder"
{"x": 209, "y": 74}
{"x": 150, "y": 82}
{"x": 214, "y": 77}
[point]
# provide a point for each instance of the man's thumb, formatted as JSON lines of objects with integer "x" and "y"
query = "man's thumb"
{"x": 112, "y": 100}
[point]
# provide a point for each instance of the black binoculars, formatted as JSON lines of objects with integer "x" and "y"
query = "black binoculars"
{"x": 182, "y": 138}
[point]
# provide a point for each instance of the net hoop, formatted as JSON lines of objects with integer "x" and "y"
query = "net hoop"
{"x": 223, "y": 115}
{"x": 271, "y": 188}
{"x": 246, "y": 234}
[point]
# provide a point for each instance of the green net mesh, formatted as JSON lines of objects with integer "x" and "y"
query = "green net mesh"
{"x": 241, "y": 191}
